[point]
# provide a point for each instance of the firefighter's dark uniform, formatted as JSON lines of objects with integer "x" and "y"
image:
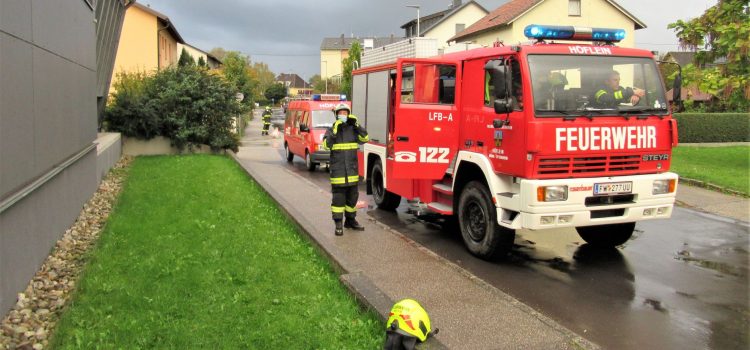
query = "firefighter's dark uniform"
{"x": 343, "y": 140}
{"x": 605, "y": 97}
{"x": 266, "y": 122}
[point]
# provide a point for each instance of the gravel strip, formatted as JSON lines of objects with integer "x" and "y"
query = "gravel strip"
{"x": 31, "y": 321}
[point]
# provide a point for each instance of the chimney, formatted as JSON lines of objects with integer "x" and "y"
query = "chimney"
{"x": 456, "y": 3}
{"x": 342, "y": 39}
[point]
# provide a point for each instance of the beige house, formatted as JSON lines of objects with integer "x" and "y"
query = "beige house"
{"x": 148, "y": 41}
{"x": 197, "y": 53}
{"x": 333, "y": 51}
{"x": 296, "y": 86}
{"x": 445, "y": 24}
{"x": 506, "y": 23}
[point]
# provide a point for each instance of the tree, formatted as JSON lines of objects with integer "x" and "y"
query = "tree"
{"x": 319, "y": 85}
{"x": 723, "y": 64}
{"x": 235, "y": 71}
{"x": 202, "y": 62}
{"x": 355, "y": 55}
{"x": 185, "y": 59}
{"x": 275, "y": 92}
{"x": 264, "y": 76}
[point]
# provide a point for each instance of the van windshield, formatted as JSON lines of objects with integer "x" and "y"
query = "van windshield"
{"x": 566, "y": 85}
{"x": 322, "y": 119}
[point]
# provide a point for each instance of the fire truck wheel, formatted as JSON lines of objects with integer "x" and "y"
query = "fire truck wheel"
{"x": 383, "y": 198}
{"x": 309, "y": 163}
{"x": 606, "y": 235}
{"x": 477, "y": 218}
{"x": 289, "y": 154}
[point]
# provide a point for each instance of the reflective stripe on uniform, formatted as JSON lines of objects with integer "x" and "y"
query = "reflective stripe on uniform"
{"x": 599, "y": 94}
{"x": 343, "y": 180}
{"x": 350, "y": 209}
{"x": 618, "y": 95}
{"x": 345, "y": 146}
{"x": 337, "y": 209}
{"x": 363, "y": 139}
{"x": 325, "y": 144}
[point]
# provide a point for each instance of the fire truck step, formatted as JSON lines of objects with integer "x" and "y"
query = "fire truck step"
{"x": 440, "y": 208}
{"x": 442, "y": 188}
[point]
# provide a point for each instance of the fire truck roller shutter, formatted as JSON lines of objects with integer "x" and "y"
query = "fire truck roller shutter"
{"x": 377, "y": 106}
{"x": 359, "y": 98}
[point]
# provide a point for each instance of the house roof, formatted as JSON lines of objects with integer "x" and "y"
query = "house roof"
{"x": 208, "y": 54}
{"x": 682, "y": 58}
{"x": 444, "y": 15}
{"x": 165, "y": 21}
{"x": 690, "y": 93}
{"x": 295, "y": 80}
{"x": 513, "y": 9}
{"x": 344, "y": 43}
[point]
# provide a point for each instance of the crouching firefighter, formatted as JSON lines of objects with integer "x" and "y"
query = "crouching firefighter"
{"x": 343, "y": 139}
{"x": 407, "y": 323}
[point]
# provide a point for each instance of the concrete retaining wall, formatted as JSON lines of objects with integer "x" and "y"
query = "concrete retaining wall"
{"x": 157, "y": 146}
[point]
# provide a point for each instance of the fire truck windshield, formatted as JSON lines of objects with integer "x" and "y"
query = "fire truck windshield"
{"x": 568, "y": 85}
{"x": 322, "y": 119}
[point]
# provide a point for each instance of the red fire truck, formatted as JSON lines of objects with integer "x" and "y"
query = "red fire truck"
{"x": 516, "y": 137}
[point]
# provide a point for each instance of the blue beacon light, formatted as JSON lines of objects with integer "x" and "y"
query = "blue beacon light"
{"x": 541, "y": 32}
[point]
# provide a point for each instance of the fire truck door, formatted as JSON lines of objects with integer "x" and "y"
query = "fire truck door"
{"x": 425, "y": 126}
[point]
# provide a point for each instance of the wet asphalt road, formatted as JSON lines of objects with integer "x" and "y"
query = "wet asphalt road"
{"x": 680, "y": 283}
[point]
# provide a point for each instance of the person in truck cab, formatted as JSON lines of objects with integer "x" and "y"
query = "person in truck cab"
{"x": 612, "y": 94}
{"x": 343, "y": 139}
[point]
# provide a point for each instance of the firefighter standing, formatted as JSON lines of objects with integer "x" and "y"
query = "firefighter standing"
{"x": 343, "y": 140}
{"x": 266, "y": 121}
{"x": 612, "y": 94}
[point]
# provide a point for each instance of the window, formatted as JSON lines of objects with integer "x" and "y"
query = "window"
{"x": 436, "y": 83}
{"x": 460, "y": 27}
{"x": 574, "y": 7}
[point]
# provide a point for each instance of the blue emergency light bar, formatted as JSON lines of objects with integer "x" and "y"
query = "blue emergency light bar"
{"x": 328, "y": 97}
{"x": 541, "y": 32}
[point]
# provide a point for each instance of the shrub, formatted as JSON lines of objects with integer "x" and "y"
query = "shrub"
{"x": 187, "y": 104}
{"x": 713, "y": 127}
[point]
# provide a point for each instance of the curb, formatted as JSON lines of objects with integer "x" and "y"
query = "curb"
{"x": 712, "y": 187}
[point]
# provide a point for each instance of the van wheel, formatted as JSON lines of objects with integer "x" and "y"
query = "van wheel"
{"x": 606, "y": 236}
{"x": 477, "y": 219}
{"x": 384, "y": 199}
{"x": 309, "y": 163}
{"x": 289, "y": 154}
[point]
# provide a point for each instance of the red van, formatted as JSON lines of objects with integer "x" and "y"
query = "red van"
{"x": 306, "y": 124}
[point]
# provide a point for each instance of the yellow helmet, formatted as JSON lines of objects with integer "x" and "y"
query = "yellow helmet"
{"x": 342, "y": 106}
{"x": 408, "y": 318}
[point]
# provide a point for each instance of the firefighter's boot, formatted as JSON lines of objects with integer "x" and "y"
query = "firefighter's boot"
{"x": 339, "y": 231}
{"x": 354, "y": 225}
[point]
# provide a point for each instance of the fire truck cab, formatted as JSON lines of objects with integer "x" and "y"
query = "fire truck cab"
{"x": 519, "y": 137}
{"x": 305, "y": 126}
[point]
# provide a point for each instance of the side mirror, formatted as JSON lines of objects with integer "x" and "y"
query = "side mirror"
{"x": 500, "y": 81}
{"x": 677, "y": 91}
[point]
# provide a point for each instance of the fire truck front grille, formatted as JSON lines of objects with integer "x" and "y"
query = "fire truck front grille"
{"x": 550, "y": 167}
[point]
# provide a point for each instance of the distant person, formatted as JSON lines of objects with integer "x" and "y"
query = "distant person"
{"x": 266, "y": 121}
{"x": 343, "y": 139}
{"x": 612, "y": 94}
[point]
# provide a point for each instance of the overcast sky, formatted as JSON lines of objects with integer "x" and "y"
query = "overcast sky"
{"x": 286, "y": 34}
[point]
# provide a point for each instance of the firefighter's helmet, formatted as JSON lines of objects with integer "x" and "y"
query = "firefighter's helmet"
{"x": 341, "y": 106}
{"x": 268, "y": 108}
{"x": 408, "y": 318}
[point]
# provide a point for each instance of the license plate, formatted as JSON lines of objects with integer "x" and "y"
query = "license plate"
{"x": 613, "y": 188}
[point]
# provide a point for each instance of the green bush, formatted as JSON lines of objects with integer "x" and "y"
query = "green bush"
{"x": 713, "y": 127}
{"x": 187, "y": 104}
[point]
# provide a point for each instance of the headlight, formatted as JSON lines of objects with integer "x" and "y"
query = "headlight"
{"x": 552, "y": 193}
{"x": 663, "y": 186}
{"x": 321, "y": 148}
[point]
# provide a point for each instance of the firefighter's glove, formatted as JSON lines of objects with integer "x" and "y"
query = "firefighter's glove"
{"x": 352, "y": 120}
{"x": 335, "y": 127}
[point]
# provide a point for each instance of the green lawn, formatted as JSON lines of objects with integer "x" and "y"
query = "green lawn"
{"x": 197, "y": 256}
{"x": 724, "y": 166}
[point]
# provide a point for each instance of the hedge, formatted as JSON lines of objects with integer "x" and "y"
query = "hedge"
{"x": 713, "y": 127}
